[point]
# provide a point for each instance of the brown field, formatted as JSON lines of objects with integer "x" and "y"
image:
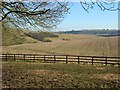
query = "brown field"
{"x": 75, "y": 44}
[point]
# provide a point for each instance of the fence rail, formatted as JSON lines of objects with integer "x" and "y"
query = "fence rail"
{"x": 61, "y": 58}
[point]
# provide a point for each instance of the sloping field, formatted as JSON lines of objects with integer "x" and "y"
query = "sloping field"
{"x": 70, "y": 44}
{"x": 15, "y": 37}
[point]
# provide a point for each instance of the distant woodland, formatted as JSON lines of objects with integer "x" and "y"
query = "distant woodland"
{"x": 94, "y": 32}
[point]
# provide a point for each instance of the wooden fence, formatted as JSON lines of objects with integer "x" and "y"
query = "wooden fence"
{"x": 61, "y": 58}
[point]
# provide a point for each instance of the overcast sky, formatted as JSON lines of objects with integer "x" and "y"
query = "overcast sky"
{"x": 96, "y": 19}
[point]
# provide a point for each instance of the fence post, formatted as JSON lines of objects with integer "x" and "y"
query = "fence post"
{"x": 78, "y": 59}
{"x": 14, "y": 57}
{"x": 54, "y": 58}
{"x": 106, "y": 60}
{"x": 44, "y": 59}
{"x": 24, "y": 57}
{"x": 6, "y": 57}
{"x": 92, "y": 60}
{"x": 66, "y": 59}
{"x": 34, "y": 58}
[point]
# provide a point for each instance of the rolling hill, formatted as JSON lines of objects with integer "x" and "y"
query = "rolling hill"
{"x": 70, "y": 44}
{"x": 12, "y": 36}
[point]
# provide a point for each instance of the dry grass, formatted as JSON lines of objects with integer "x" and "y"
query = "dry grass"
{"x": 112, "y": 77}
{"x": 44, "y": 75}
{"x": 78, "y": 44}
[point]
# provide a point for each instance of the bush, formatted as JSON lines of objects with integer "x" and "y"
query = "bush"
{"x": 66, "y": 39}
{"x": 46, "y": 40}
{"x": 34, "y": 42}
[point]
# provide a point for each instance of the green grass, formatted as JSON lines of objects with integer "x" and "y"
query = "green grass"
{"x": 10, "y": 37}
{"x": 14, "y": 37}
{"x": 58, "y": 75}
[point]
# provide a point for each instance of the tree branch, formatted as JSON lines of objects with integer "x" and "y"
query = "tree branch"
{"x": 25, "y": 13}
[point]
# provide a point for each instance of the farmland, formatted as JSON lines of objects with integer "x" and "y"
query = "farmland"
{"x": 25, "y": 74}
{"x": 35, "y": 56}
{"x": 70, "y": 44}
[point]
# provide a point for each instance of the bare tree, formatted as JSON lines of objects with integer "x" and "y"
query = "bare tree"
{"x": 44, "y": 14}
{"x": 109, "y": 5}
{"x": 33, "y": 14}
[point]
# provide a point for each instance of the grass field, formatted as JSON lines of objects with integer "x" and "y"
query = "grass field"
{"x": 58, "y": 75}
{"x": 70, "y": 44}
{"x": 15, "y": 37}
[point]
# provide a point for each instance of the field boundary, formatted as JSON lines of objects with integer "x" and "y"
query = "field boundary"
{"x": 61, "y": 58}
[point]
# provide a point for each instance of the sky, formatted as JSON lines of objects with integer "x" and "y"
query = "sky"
{"x": 79, "y": 19}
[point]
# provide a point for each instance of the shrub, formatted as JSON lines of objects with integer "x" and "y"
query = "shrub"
{"x": 34, "y": 42}
{"x": 46, "y": 40}
{"x": 66, "y": 39}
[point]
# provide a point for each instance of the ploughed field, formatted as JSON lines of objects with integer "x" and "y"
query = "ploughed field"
{"x": 70, "y": 44}
{"x": 21, "y": 74}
